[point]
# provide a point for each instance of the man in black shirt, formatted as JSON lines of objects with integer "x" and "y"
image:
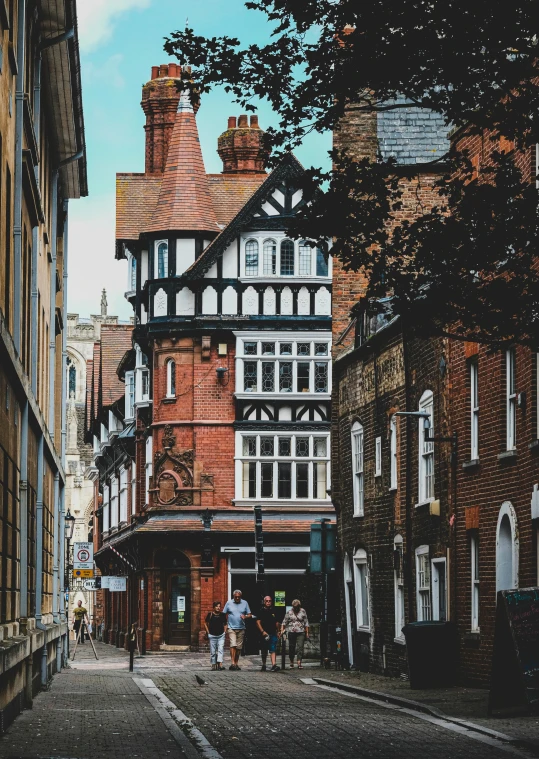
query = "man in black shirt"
{"x": 270, "y": 629}
{"x": 216, "y": 627}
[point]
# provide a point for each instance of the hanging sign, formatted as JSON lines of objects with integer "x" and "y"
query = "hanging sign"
{"x": 117, "y": 583}
{"x": 280, "y": 598}
{"x": 83, "y": 556}
{"x": 515, "y": 662}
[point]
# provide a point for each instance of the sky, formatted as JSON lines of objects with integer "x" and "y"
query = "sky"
{"x": 120, "y": 40}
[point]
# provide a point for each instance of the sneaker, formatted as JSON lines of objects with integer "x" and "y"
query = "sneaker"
{"x": 275, "y": 668}
{"x": 238, "y": 668}
{"x": 232, "y": 666}
{"x": 263, "y": 668}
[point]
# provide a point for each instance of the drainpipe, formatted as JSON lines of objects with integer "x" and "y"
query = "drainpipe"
{"x": 17, "y": 222}
{"x": 34, "y": 313}
{"x": 410, "y": 568}
{"x": 64, "y": 340}
{"x": 39, "y": 559}
{"x": 52, "y": 312}
{"x": 55, "y": 549}
{"x": 23, "y": 493}
{"x": 63, "y": 610}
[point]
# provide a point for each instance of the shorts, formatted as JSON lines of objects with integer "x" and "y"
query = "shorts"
{"x": 236, "y": 638}
{"x": 270, "y": 645}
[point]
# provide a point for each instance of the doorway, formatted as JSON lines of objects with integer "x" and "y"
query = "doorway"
{"x": 439, "y": 590}
{"x": 178, "y": 628}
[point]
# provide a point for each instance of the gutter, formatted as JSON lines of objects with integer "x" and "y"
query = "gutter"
{"x": 19, "y": 128}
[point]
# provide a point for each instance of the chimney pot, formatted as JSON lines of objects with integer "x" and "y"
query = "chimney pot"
{"x": 254, "y": 122}
{"x": 242, "y": 121}
{"x": 163, "y": 70}
{"x": 231, "y": 122}
{"x": 242, "y": 149}
{"x": 155, "y": 72}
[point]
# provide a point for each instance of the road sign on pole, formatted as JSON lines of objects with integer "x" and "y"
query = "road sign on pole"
{"x": 83, "y": 573}
{"x": 83, "y": 556}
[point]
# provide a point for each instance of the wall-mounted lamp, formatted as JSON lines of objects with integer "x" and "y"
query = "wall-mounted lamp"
{"x": 221, "y": 372}
{"x": 69, "y": 521}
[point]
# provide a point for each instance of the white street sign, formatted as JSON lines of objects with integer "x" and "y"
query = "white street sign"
{"x": 117, "y": 583}
{"x": 89, "y": 584}
{"x": 83, "y": 556}
{"x": 105, "y": 582}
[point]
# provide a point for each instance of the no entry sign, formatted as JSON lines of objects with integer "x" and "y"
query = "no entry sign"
{"x": 83, "y": 556}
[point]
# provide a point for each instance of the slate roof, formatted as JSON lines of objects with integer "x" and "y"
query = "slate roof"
{"x": 115, "y": 341}
{"x": 411, "y": 134}
{"x": 184, "y": 200}
{"x": 225, "y": 523}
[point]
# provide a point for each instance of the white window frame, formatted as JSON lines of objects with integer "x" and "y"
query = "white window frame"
{"x": 106, "y": 508}
{"x": 148, "y": 466}
{"x": 423, "y": 589}
{"x": 114, "y": 512}
{"x": 123, "y": 495}
{"x": 474, "y": 410}
{"x": 261, "y": 358}
{"x": 393, "y": 453}
{"x": 278, "y": 237}
{"x": 511, "y": 399}
{"x": 129, "y": 396}
{"x": 361, "y": 582}
{"x": 508, "y": 511}
{"x": 438, "y": 566}
{"x": 426, "y": 451}
{"x": 133, "y": 488}
{"x": 156, "y": 259}
{"x": 474, "y": 573}
{"x": 398, "y": 584}
{"x": 244, "y": 461}
{"x": 378, "y": 457}
{"x": 171, "y": 392}
{"x": 358, "y": 467}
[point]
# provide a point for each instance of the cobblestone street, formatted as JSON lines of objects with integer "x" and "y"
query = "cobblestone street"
{"x": 98, "y": 710}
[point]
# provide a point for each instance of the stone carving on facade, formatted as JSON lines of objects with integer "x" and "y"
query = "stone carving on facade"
{"x": 169, "y": 439}
{"x": 177, "y": 480}
{"x": 160, "y": 303}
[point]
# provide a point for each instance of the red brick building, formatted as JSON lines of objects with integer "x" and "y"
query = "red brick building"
{"x": 227, "y": 385}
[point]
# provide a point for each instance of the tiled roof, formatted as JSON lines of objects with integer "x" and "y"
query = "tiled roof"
{"x": 223, "y": 523}
{"x": 411, "y": 134}
{"x": 89, "y": 377}
{"x": 95, "y": 381}
{"x": 184, "y": 200}
{"x": 136, "y": 199}
{"x": 115, "y": 341}
{"x": 230, "y": 192}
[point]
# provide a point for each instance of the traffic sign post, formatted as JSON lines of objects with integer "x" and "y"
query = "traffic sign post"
{"x": 83, "y": 573}
{"x": 83, "y": 556}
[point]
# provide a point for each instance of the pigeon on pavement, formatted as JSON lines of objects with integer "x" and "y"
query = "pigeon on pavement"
{"x": 200, "y": 680}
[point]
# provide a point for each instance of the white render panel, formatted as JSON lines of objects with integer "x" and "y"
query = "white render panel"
{"x": 230, "y": 261}
{"x": 250, "y": 302}
{"x": 296, "y": 197}
{"x": 212, "y": 273}
{"x": 143, "y": 267}
{"x": 185, "y": 254}
{"x": 287, "y": 302}
{"x": 209, "y": 301}
{"x": 269, "y": 209}
{"x": 185, "y": 302}
{"x": 304, "y": 302}
{"x": 322, "y": 302}
{"x": 160, "y": 303}
{"x": 230, "y": 301}
{"x": 285, "y": 414}
{"x": 279, "y": 197}
{"x": 269, "y": 301}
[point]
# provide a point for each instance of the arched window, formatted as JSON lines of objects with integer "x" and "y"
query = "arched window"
{"x": 305, "y": 256}
{"x": 393, "y": 451}
{"x": 426, "y": 449}
{"x": 71, "y": 378}
{"x": 506, "y": 549}
{"x": 162, "y": 260}
{"x": 321, "y": 263}
{"x": 287, "y": 258}
{"x": 358, "y": 479}
{"x": 251, "y": 257}
{"x": 133, "y": 273}
{"x": 270, "y": 256}
{"x": 171, "y": 378}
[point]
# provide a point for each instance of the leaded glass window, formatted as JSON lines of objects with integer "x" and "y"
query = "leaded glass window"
{"x": 320, "y": 446}
{"x": 268, "y": 349}
{"x": 285, "y": 446}
{"x": 162, "y": 260}
{"x": 285, "y": 480}
{"x": 270, "y": 256}
{"x": 266, "y": 473}
{"x": 302, "y": 480}
{"x": 305, "y": 255}
{"x": 321, "y": 263}
{"x": 320, "y": 349}
{"x": 287, "y": 258}
{"x": 251, "y": 258}
{"x": 303, "y": 376}
{"x": 320, "y": 377}
{"x": 285, "y": 376}
{"x": 268, "y": 377}
{"x": 250, "y": 375}
{"x": 285, "y": 349}
{"x": 249, "y": 349}
{"x": 302, "y": 446}
{"x": 304, "y": 349}
{"x": 249, "y": 446}
{"x": 266, "y": 446}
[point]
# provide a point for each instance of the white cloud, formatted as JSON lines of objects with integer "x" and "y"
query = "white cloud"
{"x": 96, "y": 19}
{"x": 110, "y": 72}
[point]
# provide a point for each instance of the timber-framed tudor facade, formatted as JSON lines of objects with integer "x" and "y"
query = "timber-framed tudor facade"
{"x": 227, "y": 382}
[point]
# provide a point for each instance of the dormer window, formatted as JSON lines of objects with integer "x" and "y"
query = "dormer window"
{"x": 171, "y": 378}
{"x": 161, "y": 259}
{"x": 287, "y": 258}
{"x": 251, "y": 258}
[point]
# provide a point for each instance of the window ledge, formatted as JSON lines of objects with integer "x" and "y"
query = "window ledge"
{"x": 169, "y": 399}
{"x": 400, "y": 641}
{"x": 359, "y": 516}
{"x": 534, "y": 446}
{"x": 364, "y": 629}
{"x": 393, "y": 489}
{"x": 469, "y": 466}
{"x": 508, "y": 457}
{"x": 472, "y": 636}
{"x": 424, "y": 503}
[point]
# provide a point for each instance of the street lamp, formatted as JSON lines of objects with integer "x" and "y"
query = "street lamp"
{"x": 69, "y": 520}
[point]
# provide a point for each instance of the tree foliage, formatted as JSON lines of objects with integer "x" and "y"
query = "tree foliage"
{"x": 467, "y": 266}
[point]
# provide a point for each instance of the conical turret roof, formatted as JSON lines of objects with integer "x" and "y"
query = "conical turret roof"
{"x": 185, "y": 203}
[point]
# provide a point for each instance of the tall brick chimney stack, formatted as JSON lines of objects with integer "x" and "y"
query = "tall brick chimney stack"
{"x": 241, "y": 147}
{"x": 160, "y": 97}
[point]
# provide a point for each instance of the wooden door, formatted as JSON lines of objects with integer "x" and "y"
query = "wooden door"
{"x": 179, "y": 609}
